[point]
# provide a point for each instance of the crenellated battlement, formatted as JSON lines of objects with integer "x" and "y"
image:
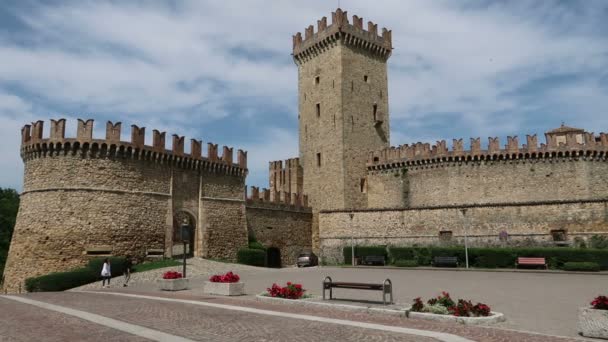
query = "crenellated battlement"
{"x": 341, "y": 29}
{"x": 287, "y": 178}
{"x": 277, "y": 199}
{"x": 561, "y": 142}
{"x": 35, "y": 145}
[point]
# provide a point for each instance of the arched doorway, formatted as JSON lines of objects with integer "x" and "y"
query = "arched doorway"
{"x": 183, "y": 217}
{"x": 273, "y": 257}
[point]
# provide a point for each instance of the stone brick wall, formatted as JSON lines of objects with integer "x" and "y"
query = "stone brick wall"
{"x": 508, "y": 181}
{"x": 478, "y": 182}
{"x": 85, "y": 195}
{"x": 288, "y": 229}
{"x": 526, "y": 224}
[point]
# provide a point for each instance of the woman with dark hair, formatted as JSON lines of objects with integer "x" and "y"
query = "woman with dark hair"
{"x": 106, "y": 273}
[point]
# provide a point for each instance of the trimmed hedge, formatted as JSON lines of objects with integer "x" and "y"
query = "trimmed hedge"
{"x": 406, "y": 263}
{"x": 256, "y": 245}
{"x": 582, "y": 266}
{"x": 253, "y": 257}
{"x": 502, "y": 257}
{"x": 361, "y": 251}
{"x": 61, "y": 281}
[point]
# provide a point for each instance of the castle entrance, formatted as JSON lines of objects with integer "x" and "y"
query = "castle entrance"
{"x": 273, "y": 257}
{"x": 179, "y": 219}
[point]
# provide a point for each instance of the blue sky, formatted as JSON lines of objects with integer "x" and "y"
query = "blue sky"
{"x": 221, "y": 71}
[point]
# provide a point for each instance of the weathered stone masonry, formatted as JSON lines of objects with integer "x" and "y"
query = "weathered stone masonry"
{"x": 84, "y": 196}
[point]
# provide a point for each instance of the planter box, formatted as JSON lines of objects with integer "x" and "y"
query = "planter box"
{"x": 494, "y": 317}
{"x": 593, "y": 323}
{"x": 225, "y": 289}
{"x": 173, "y": 284}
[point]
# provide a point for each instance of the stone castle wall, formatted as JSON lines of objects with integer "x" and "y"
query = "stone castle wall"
{"x": 525, "y": 224}
{"x": 284, "y": 225}
{"x": 85, "y": 196}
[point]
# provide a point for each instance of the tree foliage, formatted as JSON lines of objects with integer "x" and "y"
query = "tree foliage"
{"x": 9, "y": 204}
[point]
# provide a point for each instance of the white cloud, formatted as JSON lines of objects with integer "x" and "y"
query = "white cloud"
{"x": 458, "y": 68}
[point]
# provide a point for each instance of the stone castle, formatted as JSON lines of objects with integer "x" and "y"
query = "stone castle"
{"x": 87, "y": 197}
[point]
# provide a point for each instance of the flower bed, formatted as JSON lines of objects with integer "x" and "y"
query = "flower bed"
{"x": 593, "y": 321}
{"x": 225, "y": 285}
{"x": 444, "y": 308}
{"x": 173, "y": 281}
{"x": 290, "y": 291}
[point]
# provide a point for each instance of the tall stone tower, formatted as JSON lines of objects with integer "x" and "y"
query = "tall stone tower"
{"x": 343, "y": 107}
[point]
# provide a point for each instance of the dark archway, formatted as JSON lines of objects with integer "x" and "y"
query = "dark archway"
{"x": 180, "y": 218}
{"x": 273, "y": 257}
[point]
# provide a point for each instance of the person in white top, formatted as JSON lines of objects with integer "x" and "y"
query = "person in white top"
{"x": 106, "y": 273}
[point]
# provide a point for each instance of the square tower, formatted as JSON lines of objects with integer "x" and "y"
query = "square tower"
{"x": 343, "y": 107}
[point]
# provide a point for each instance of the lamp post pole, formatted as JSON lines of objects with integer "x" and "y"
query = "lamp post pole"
{"x": 185, "y": 238}
{"x": 352, "y": 239}
{"x": 466, "y": 240}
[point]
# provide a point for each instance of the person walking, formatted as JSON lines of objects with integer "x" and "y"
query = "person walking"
{"x": 128, "y": 266}
{"x": 106, "y": 272}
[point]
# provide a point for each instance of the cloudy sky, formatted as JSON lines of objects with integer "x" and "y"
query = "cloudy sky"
{"x": 221, "y": 71}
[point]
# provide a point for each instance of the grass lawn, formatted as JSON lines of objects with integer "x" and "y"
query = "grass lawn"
{"x": 147, "y": 266}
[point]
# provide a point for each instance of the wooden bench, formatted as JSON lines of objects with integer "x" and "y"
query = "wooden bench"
{"x": 445, "y": 261}
{"x": 386, "y": 287}
{"x": 374, "y": 259}
{"x": 523, "y": 261}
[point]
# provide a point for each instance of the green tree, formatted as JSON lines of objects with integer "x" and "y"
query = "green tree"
{"x": 9, "y": 204}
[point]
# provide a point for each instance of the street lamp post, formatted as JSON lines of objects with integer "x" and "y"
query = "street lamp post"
{"x": 352, "y": 239}
{"x": 185, "y": 239}
{"x": 466, "y": 240}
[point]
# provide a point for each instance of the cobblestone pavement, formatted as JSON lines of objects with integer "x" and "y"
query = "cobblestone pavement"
{"x": 211, "y": 324}
{"x": 476, "y": 333}
{"x": 22, "y": 322}
{"x": 545, "y": 303}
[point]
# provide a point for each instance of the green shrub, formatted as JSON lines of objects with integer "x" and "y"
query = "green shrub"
{"x": 253, "y": 257}
{"x": 598, "y": 242}
{"x": 436, "y": 309}
{"x": 256, "y": 245}
{"x": 406, "y": 263}
{"x": 61, "y": 281}
{"x": 361, "y": 251}
{"x": 401, "y": 253}
{"x": 500, "y": 257}
{"x": 582, "y": 266}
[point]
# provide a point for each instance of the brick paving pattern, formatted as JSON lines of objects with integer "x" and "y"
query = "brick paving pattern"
{"x": 476, "y": 333}
{"x": 23, "y": 322}
{"x": 212, "y": 324}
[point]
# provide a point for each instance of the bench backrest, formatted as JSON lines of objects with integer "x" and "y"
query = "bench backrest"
{"x": 374, "y": 257}
{"x": 446, "y": 258}
{"x": 524, "y": 260}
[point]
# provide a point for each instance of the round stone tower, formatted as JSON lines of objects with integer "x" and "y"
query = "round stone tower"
{"x": 85, "y": 197}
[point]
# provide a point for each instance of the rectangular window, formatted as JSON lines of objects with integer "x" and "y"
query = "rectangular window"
{"x": 375, "y": 112}
{"x": 445, "y": 235}
{"x": 318, "y": 110}
{"x": 319, "y": 159}
{"x": 317, "y": 80}
{"x": 363, "y": 185}
{"x": 365, "y": 79}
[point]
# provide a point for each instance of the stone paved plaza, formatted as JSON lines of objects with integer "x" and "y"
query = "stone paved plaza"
{"x": 540, "y": 306}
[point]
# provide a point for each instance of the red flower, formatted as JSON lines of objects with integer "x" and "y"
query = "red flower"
{"x": 172, "y": 275}
{"x": 290, "y": 291}
{"x": 600, "y": 303}
{"x": 226, "y": 278}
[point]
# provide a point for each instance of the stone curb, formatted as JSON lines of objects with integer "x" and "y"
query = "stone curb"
{"x": 459, "y": 269}
{"x": 343, "y": 307}
{"x": 495, "y": 318}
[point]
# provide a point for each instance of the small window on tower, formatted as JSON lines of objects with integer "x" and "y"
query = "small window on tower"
{"x": 317, "y": 80}
{"x": 375, "y": 112}
{"x": 363, "y": 185}
{"x": 318, "y": 110}
{"x": 319, "y": 159}
{"x": 365, "y": 79}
